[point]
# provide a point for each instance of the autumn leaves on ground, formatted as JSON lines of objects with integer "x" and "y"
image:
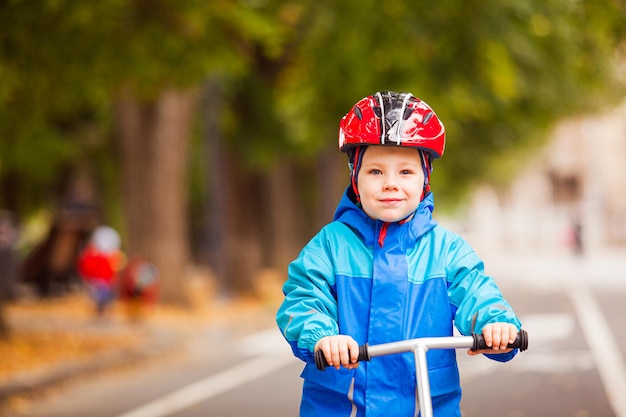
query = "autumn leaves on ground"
{"x": 45, "y": 333}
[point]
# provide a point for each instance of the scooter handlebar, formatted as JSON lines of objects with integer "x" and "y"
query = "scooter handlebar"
{"x": 478, "y": 343}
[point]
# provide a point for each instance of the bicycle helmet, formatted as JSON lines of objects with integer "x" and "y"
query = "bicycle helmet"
{"x": 395, "y": 119}
{"x": 391, "y": 119}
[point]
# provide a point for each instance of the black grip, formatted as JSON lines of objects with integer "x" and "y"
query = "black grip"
{"x": 322, "y": 364}
{"x": 521, "y": 341}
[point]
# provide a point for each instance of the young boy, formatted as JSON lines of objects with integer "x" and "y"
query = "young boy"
{"x": 385, "y": 271}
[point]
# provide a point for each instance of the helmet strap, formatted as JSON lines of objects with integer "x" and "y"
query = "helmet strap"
{"x": 427, "y": 168}
{"x": 355, "y": 167}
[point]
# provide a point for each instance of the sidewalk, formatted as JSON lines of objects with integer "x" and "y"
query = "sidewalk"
{"x": 56, "y": 340}
{"x": 605, "y": 269}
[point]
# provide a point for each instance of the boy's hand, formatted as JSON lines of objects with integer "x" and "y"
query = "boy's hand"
{"x": 498, "y": 336}
{"x": 339, "y": 351}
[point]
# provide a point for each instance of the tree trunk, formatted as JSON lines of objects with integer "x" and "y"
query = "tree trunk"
{"x": 4, "y": 327}
{"x": 333, "y": 178}
{"x": 215, "y": 209}
{"x": 283, "y": 231}
{"x": 242, "y": 237}
{"x": 154, "y": 141}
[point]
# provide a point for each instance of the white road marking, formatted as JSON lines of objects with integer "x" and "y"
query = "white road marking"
{"x": 604, "y": 348}
{"x": 221, "y": 382}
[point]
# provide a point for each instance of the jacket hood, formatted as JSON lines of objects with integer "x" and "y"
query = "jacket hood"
{"x": 353, "y": 215}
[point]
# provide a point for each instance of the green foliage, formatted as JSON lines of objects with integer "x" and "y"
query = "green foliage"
{"x": 497, "y": 72}
{"x": 63, "y": 63}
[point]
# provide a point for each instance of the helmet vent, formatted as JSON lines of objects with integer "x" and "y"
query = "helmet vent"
{"x": 358, "y": 113}
{"x": 407, "y": 113}
{"x": 427, "y": 117}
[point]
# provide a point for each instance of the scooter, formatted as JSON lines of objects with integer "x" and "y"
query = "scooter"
{"x": 419, "y": 347}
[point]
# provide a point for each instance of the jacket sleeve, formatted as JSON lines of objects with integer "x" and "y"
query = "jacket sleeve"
{"x": 309, "y": 309}
{"x": 475, "y": 296}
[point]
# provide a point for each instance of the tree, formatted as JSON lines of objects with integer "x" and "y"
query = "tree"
{"x": 153, "y": 143}
{"x": 142, "y": 58}
{"x": 496, "y": 72}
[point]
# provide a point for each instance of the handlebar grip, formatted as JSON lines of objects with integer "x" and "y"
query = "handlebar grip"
{"x": 322, "y": 364}
{"x": 521, "y": 341}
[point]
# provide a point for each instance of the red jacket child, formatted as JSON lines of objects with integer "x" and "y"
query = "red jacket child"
{"x": 98, "y": 265}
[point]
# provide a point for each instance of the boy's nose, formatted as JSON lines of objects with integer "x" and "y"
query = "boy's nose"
{"x": 390, "y": 184}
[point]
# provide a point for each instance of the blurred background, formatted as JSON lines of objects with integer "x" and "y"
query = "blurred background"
{"x": 205, "y": 132}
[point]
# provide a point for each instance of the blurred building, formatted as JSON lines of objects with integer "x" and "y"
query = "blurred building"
{"x": 570, "y": 198}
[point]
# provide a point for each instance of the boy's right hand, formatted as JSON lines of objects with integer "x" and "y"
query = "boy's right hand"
{"x": 340, "y": 350}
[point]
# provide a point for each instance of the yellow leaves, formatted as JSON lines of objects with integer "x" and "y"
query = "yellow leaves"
{"x": 27, "y": 350}
{"x": 540, "y": 25}
{"x": 499, "y": 70}
{"x": 466, "y": 105}
{"x": 49, "y": 333}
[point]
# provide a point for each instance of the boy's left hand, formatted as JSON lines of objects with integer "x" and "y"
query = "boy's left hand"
{"x": 498, "y": 336}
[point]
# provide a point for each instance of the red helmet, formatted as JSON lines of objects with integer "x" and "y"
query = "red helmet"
{"x": 394, "y": 119}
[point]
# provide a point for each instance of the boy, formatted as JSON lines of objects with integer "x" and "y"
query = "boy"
{"x": 385, "y": 271}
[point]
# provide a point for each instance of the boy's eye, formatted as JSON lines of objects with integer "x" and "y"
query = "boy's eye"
{"x": 375, "y": 171}
{"x": 406, "y": 172}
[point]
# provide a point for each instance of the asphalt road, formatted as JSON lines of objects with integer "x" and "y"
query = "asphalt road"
{"x": 574, "y": 365}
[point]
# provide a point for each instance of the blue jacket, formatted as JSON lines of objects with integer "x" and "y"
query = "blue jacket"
{"x": 382, "y": 282}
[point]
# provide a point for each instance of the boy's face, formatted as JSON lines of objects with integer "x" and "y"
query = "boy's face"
{"x": 390, "y": 182}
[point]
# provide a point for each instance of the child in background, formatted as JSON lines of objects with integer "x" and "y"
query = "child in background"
{"x": 98, "y": 266}
{"x": 385, "y": 271}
